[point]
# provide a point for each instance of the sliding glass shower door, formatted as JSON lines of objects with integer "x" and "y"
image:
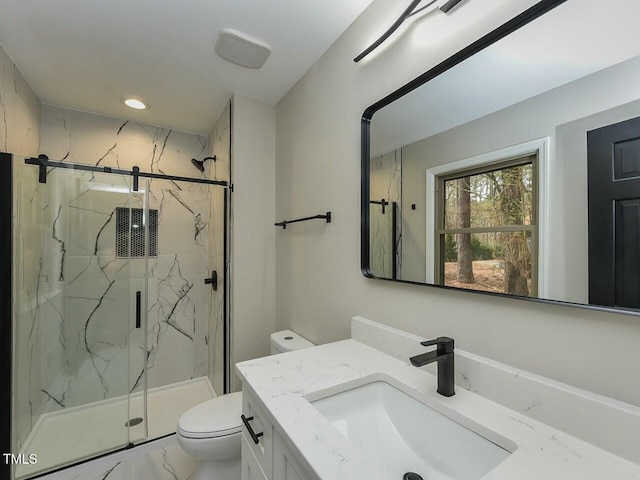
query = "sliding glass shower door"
{"x": 120, "y": 303}
{"x": 80, "y": 302}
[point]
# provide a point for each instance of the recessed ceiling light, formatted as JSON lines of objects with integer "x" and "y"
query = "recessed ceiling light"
{"x": 135, "y": 103}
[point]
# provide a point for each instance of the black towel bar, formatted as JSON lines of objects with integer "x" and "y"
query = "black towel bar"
{"x": 284, "y": 223}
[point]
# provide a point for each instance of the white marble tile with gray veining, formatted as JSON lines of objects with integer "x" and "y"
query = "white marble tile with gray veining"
{"x": 81, "y": 137}
{"x": 92, "y": 307}
{"x": 159, "y": 460}
{"x": 19, "y": 111}
{"x": 386, "y": 192}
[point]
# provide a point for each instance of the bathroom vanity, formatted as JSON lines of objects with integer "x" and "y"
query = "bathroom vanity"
{"x": 271, "y": 457}
{"x": 323, "y": 414}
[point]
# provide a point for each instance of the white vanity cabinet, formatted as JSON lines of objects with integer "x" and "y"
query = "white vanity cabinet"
{"x": 270, "y": 458}
{"x": 256, "y": 423}
{"x": 250, "y": 467}
{"x": 285, "y": 465}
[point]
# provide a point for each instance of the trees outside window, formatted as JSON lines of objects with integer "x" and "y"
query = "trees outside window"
{"x": 486, "y": 229}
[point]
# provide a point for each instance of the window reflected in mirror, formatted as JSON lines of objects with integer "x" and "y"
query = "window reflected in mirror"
{"x": 486, "y": 224}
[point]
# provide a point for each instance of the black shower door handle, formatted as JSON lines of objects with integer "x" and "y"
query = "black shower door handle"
{"x": 138, "y": 308}
{"x": 213, "y": 281}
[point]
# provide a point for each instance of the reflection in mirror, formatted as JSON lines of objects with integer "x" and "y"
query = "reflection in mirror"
{"x": 518, "y": 170}
{"x": 485, "y": 226}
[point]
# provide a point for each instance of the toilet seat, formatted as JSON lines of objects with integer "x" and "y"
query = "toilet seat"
{"x": 218, "y": 417}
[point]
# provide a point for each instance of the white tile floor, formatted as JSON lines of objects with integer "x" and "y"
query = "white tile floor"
{"x": 158, "y": 460}
{"x": 72, "y": 435}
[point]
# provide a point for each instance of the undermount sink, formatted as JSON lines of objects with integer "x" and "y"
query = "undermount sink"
{"x": 400, "y": 434}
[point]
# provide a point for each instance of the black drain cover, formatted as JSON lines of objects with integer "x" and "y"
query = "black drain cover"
{"x": 411, "y": 476}
{"x": 133, "y": 422}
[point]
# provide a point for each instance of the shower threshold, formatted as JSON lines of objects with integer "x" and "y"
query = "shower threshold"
{"x": 76, "y": 434}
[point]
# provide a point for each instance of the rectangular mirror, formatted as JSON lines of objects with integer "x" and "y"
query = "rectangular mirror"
{"x": 514, "y": 167}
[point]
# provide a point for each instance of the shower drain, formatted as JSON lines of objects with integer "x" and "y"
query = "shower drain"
{"x": 132, "y": 422}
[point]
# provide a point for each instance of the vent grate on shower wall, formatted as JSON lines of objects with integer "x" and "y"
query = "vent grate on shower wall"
{"x": 137, "y": 237}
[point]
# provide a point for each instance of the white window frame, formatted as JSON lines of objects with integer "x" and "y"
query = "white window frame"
{"x": 539, "y": 147}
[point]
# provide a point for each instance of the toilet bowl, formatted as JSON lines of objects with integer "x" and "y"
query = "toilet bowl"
{"x": 211, "y": 431}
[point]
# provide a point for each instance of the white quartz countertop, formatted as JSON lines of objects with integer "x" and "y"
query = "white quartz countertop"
{"x": 284, "y": 382}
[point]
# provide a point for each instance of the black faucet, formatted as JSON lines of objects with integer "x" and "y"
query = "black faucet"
{"x": 444, "y": 356}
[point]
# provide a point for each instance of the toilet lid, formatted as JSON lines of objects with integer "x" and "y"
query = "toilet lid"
{"x": 217, "y": 417}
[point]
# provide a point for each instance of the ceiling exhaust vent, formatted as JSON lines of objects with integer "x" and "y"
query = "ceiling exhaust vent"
{"x": 237, "y": 48}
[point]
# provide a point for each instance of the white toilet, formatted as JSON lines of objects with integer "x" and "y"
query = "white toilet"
{"x": 211, "y": 431}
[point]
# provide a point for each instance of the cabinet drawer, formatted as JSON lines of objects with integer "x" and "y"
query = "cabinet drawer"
{"x": 249, "y": 465}
{"x": 285, "y": 465}
{"x": 257, "y": 421}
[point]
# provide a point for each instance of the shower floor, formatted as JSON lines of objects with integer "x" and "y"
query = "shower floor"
{"x": 76, "y": 434}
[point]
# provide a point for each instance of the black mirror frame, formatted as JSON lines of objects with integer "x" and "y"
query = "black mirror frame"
{"x": 539, "y": 9}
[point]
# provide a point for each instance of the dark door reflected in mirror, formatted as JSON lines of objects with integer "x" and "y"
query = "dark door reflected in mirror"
{"x": 517, "y": 171}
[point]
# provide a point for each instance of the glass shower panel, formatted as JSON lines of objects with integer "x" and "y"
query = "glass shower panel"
{"x": 183, "y": 313}
{"x": 386, "y": 240}
{"x": 120, "y": 300}
{"x": 381, "y": 240}
{"x": 138, "y": 244}
{"x": 218, "y": 331}
{"x": 81, "y": 315}
{"x": 28, "y": 306}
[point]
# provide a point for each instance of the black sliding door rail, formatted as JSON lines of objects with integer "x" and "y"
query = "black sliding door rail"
{"x": 135, "y": 172}
{"x": 382, "y": 202}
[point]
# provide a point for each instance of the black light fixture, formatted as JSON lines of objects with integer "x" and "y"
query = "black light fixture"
{"x": 449, "y": 5}
{"x": 410, "y": 11}
{"x": 199, "y": 164}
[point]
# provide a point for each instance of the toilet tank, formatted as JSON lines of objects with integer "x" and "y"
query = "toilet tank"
{"x": 287, "y": 341}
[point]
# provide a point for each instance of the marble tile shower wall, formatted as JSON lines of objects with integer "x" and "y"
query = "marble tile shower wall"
{"x": 386, "y": 183}
{"x": 19, "y": 111}
{"x": 92, "y": 292}
{"x": 20, "y": 134}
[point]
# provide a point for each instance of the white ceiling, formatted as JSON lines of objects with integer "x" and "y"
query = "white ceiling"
{"x": 89, "y": 54}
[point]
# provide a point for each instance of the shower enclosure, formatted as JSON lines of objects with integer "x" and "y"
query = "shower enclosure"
{"x": 119, "y": 318}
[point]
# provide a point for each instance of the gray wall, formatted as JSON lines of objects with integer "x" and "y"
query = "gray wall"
{"x": 254, "y": 235}
{"x": 319, "y": 284}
